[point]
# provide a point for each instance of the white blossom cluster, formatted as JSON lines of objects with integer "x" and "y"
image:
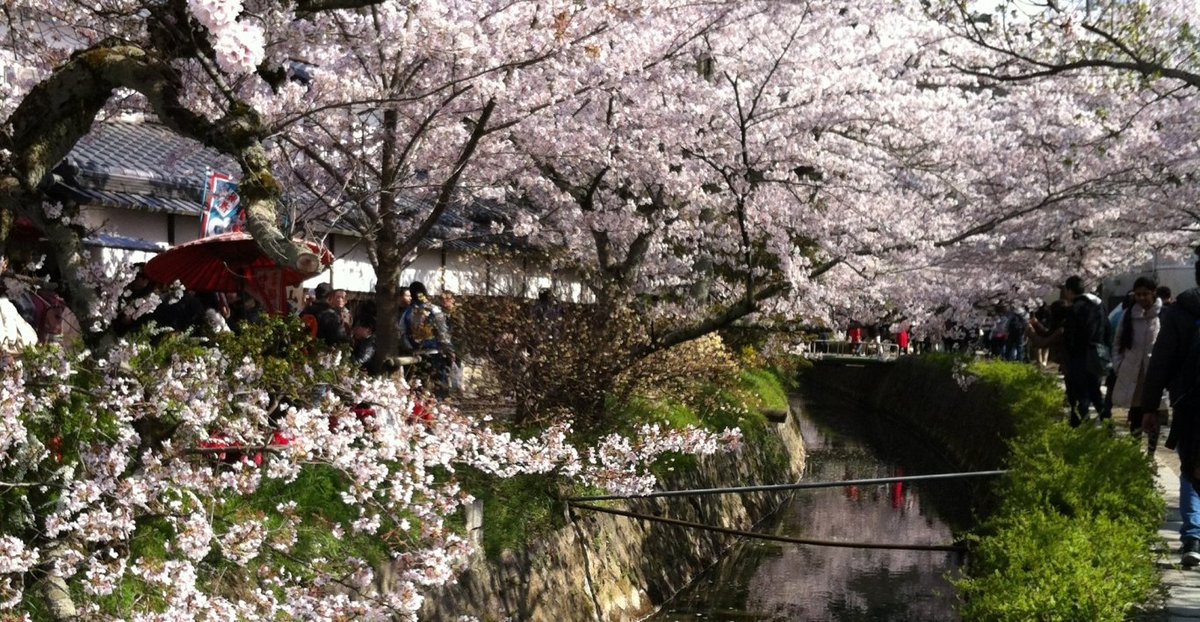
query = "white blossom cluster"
{"x": 239, "y": 44}
{"x": 395, "y": 475}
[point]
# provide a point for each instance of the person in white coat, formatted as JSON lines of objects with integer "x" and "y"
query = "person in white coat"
{"x": 1136, "y": 333}
{"x": 15, "y": 332}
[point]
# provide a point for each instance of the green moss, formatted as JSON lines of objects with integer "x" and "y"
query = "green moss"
{"x": 517, "y": 510}
{"x": 765, "y": 387}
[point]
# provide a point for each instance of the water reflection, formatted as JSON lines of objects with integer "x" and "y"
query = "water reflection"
{"x": 772, "y": 581}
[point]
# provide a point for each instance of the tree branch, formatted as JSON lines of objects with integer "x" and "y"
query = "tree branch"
{"x": 742, "y": 308}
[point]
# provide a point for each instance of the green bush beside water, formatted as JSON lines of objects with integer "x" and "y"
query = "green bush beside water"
{"x": 1073, "y": 529}
{"x": 518, "y": 510}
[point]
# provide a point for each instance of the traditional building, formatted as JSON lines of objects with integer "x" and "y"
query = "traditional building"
{"x": 141, "y": 187}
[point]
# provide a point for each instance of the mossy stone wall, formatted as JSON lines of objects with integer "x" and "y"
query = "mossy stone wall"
{"x": 606, "y": 567}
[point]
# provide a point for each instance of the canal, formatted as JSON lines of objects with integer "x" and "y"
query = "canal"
{"x": 771, "y": 581}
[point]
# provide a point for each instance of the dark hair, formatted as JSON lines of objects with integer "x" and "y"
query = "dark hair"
{"x": 1059, "y": 311}
{"x": 417, "y": 288}
{"x": 323, "y": 290}
{"x": 1146, "y": 282}
{"x": 211, "y": 300}
{"x": 1126, "y": 343}
{"x": 365, "y": 314}
{"x": 1074, "y": 284}
{"x": 1162, "y": 292}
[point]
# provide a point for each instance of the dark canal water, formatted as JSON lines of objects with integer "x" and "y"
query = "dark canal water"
{"x": 772, "y": 581}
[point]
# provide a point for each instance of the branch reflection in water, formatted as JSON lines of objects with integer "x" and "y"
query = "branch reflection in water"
{"x": 761, "y": 581}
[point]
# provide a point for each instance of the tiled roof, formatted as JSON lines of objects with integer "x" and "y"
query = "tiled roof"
{"x": 145, "y": 166}
{"x": 109, "y": 240}
{"x": 128, "y": 200}
{"x": 146, "y": 154}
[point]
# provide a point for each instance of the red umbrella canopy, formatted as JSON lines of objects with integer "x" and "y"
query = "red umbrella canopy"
{"x": 224, "y": 263}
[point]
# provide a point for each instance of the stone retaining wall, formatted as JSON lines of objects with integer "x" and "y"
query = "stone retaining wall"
{"x": 610, "y": 568}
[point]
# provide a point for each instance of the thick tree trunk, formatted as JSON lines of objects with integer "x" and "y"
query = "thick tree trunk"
{"x": 387, "y": 300}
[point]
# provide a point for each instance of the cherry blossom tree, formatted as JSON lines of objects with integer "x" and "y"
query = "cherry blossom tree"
{"x": 1121, "y": 78}
{"x": 830, "y": 162}
{"x": 179, "y": 472}
{"x": 793, "y": 159}
{"x": 133, "y": 472}
{"x": 385, "y": 137}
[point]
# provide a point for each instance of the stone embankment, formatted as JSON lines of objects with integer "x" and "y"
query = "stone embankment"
{"x": 611, "y": 568}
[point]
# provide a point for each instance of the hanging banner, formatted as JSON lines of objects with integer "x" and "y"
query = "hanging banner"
{"x": 222, "y": 208}
{"x": 266, "y": 284}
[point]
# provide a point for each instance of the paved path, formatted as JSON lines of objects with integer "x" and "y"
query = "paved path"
{"x": 1183, "y": 586}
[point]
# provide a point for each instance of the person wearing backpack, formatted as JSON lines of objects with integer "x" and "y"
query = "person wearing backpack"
{"x": 1175, "y": 368}
{"x": 424, "y": 330}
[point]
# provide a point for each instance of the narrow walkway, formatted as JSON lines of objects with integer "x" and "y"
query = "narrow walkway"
{"x": 1183, "y": 586}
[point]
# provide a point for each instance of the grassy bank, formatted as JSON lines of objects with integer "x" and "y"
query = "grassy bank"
{"x": 1070, "y": 532}
{"x": 519, "y": 509}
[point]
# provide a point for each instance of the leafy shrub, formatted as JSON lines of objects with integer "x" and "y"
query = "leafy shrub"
{"x": 681, "y": 372}
{"x": 568, "y": 362}
{"x": 1080, "y": 473}
{"x": 1076, "y": 522}
{"x": 1042, "y": 565}
{"x": 1031, "y": 397}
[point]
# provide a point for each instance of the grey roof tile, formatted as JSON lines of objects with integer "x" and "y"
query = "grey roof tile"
{"x": 146, "y": 166}
{"x": 147, "y": 151}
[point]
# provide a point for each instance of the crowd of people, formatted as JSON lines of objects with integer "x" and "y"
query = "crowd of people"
{"x": 33, "y": 312}
{"x": 423, "y": 328}
{"x": 1102, "y": 354}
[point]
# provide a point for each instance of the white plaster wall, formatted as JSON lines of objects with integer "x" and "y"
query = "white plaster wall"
{"x": 127, "y": 223}
{"x": 116, "y": 260}
{"x": 351, "y": 270}
{"x": 466, "y": 273}
{"x": 427, "y": 269}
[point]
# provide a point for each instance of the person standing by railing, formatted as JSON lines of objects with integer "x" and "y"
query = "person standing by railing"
{"x": 855, "y": 334}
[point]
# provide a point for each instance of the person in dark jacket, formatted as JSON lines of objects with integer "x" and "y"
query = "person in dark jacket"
{"x": 326, "y": 316}
{"x": 1086, "y": 338}
{"x": 365, "y": 353}
{"x": 1171, "y": 370}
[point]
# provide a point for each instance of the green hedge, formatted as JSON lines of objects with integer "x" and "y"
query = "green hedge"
{"x": 1071, "y": 530}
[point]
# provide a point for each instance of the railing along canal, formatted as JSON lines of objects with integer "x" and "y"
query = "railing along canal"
{"x": 582, "y": 503}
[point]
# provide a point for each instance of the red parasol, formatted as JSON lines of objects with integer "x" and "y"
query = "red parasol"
{"x": 229, "y": 262}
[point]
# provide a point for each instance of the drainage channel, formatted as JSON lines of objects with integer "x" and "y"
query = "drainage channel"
{"x": 787, "y": 580}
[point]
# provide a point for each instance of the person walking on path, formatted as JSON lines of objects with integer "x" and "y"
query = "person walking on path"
{"x": 855, "y": 334}
{"x": 1171, "y": 370}
{"x": 1086, "y": 337}
{"x": 1136, "y": 334}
